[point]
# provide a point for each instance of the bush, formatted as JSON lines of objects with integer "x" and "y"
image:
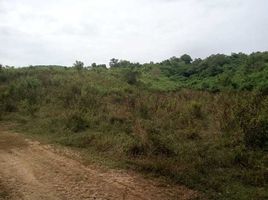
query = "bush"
{"x": 131, "y": 77}
{"x": 76, "y": 122}
{"x": 28, "y": 107}
{"x": 253, "y": 120}
{"x": 256, "y": 133}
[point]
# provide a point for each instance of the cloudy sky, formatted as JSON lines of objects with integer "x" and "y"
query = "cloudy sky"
{"x": 62, "y": 31}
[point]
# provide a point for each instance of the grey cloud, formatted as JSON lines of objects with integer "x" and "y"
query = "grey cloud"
{"x": 58, "y": 32}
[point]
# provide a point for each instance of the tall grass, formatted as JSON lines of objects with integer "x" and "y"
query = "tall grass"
{"x": 212, "y": 142}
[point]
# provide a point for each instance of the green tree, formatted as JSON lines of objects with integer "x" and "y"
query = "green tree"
{"x": 96, "y": 66}
{"x": 114, "y": 63}
{"x": 186, "y": 58}
{"x": 197, "y": 61}
{"x": 102, "y": 66}
{"x": 78, "y": 65}
{"x": 93, "y": 65}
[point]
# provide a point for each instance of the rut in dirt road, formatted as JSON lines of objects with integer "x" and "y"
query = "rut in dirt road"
{"x": 31, "y": 171}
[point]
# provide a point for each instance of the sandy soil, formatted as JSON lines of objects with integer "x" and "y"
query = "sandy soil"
{"x": 33, "y": 171}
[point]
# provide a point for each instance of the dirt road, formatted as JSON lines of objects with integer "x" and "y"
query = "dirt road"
{"x": 32, "y": 171}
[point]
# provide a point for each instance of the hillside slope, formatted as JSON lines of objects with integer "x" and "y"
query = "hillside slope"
{"x": 200, "y": 123}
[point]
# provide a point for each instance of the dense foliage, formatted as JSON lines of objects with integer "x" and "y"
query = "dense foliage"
{"x": 202, "y": 123}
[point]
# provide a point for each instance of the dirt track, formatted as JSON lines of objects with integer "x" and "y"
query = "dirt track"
{"x": 32, "y": 171}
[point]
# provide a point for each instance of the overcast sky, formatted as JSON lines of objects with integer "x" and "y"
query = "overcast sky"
{"x": 62, "y": 31}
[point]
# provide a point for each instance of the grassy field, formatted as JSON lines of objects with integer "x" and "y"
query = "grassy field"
{"x": 191, "y": 123}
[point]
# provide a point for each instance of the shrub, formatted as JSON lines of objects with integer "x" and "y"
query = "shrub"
{"x": 131, "y": 77}
{"x": 28, "y": 107}
{"x": 256, "y": 133}
{"x": 76, "y": 122}
{"x": 253, "y": 120}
